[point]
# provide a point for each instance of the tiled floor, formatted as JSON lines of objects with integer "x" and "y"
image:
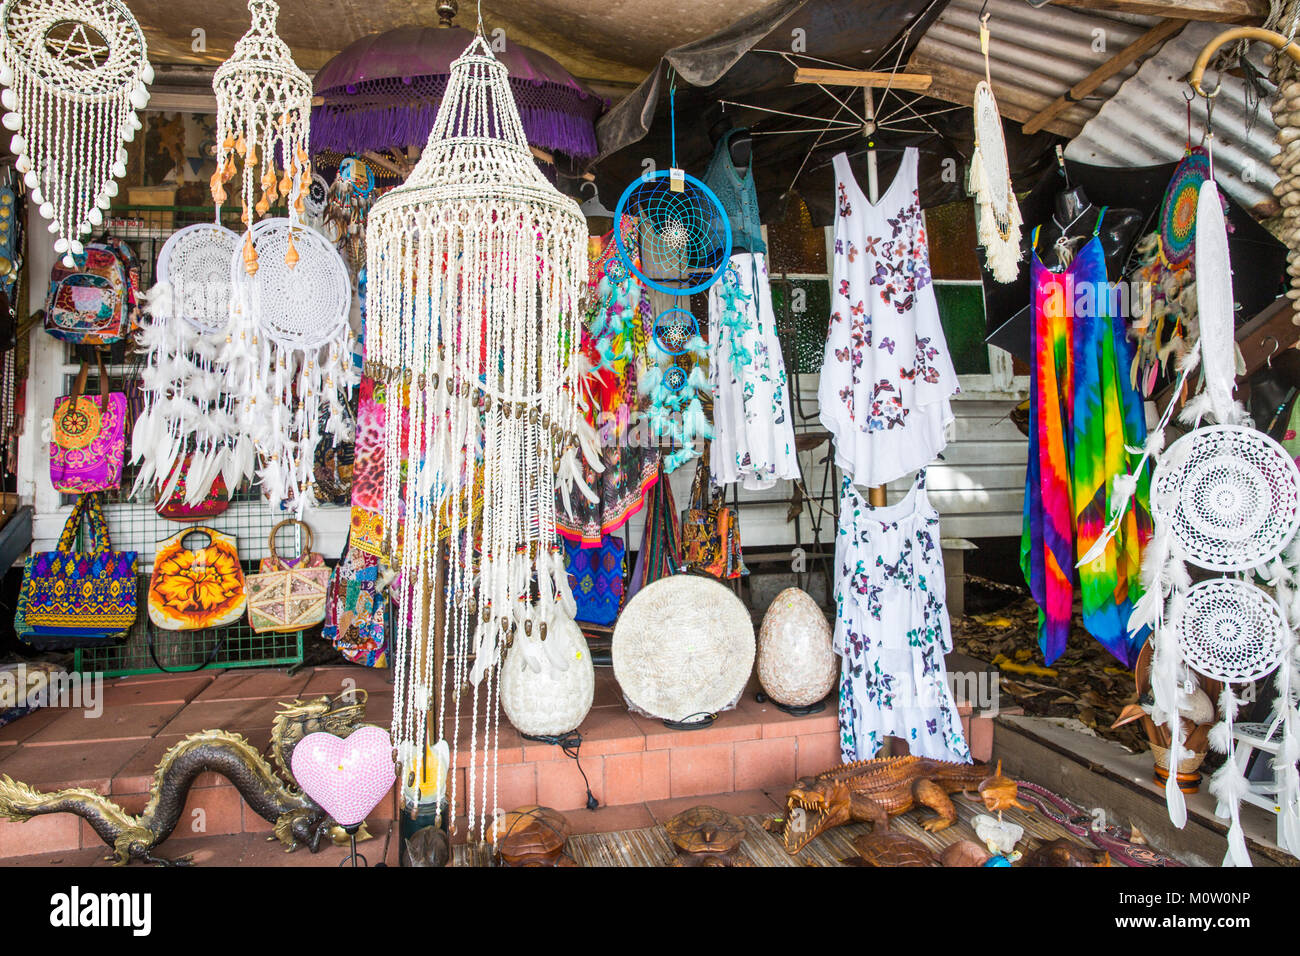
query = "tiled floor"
{"x": 640, "y": 771}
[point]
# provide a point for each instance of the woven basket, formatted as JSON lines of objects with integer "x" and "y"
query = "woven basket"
{"x": 683, "y": 648}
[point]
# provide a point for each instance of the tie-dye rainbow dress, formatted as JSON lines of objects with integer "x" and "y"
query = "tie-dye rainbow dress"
{"x": 1084, "y": 416}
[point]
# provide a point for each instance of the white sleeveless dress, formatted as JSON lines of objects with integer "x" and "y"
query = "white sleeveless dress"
{"x": 887, "y": 376}
{"x": 892, "y": 629}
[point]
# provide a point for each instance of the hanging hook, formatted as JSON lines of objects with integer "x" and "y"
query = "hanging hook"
{"x": 1276, "y": 345}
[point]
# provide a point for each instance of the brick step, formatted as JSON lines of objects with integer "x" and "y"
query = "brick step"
{"x": 628, "y": 759}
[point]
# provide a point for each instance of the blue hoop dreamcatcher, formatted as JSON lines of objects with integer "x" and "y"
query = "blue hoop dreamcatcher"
{"x": 682, "y": 234}
{"x": 673, "y": 331}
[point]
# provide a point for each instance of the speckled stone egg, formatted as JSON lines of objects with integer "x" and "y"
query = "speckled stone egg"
{"x": 551, "y": 701}
{"x": 796, "y": 664}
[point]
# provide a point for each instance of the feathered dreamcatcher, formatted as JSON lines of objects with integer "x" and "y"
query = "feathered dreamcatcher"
{"x": 475, "y": 268}
{"x": 681, "y": 246}
{"x": 263, "y": 117}
{"x": 672, "y": 384}
{"x": 1225, "y": 498}
{"x": 288, "y": 354}
{"x": 75, "y": 72}
{"x": 189, "y": 408}
{"x": 997, "y": 212}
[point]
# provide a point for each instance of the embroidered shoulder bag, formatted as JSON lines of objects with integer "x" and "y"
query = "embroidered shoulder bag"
{"x": 81, "y": 596}
{"x": 88, "y": 440}
{"x": 711, "y": 531}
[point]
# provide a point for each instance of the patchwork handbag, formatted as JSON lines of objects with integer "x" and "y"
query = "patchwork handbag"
{"x": 94, "y": 301}
{"x": 596, "y": 579}
{"x": 88, "y": 439}
{"x": 711, "y": 531}
{"x": 196, "y": 588}
{"x": 357, "y": 610}
{"x": 71, "y": 598}
{"x": 174, "y": 508}
{"x": 288, "y": 595}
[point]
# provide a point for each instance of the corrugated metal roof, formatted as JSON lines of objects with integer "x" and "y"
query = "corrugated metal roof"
{"x": 1145, "y": 123}
{"x": 1034, "y": 56}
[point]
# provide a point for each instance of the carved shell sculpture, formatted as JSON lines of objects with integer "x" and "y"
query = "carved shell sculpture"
{"x": 543, "y": 698}
{"x": 797, "y": 665}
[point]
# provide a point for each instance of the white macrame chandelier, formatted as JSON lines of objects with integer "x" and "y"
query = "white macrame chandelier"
{"x": 75, "y": 73}
{"x": 476, "y": 265}
{"x": 263, "y": 117}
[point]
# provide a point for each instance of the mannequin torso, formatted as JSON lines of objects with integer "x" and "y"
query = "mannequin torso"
{"x": 1075, "y": 218}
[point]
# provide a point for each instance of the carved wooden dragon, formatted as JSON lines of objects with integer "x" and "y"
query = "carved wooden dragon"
{"x": 298, "y": 819}
{"x": 875, "y": 790}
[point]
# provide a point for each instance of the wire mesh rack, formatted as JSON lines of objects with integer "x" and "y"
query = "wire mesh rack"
{"x": 135, "y": 526}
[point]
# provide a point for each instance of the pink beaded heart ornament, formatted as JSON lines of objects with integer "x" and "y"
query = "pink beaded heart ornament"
{"x": 348, "y": 777}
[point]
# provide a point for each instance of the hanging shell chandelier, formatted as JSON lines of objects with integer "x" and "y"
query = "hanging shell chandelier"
{"x": 263, "y": 118}
{"x": 75, "y": 72}
{"x": 475, "y": 267}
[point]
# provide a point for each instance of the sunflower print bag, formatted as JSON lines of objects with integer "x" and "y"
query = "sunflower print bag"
{"x": 196, "y": 588}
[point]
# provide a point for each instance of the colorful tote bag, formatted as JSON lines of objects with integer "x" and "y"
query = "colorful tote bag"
{"x": 288, "y": 595}
{"x": 174, "y": 508}
{"x": 196, "y": 588}
{"x": 357, "y": 612}
{"x": 711, "y": 532}
{"x": 596, "y": 579}
{"x": 88, "y": 441}
{"x": 79, "y": 594}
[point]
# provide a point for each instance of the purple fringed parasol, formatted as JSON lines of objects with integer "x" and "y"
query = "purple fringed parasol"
{"x": 382, "y": 92}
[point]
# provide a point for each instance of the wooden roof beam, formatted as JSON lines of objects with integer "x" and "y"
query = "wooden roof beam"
{"x": 916, "y": 82}
{"x": 1116, "y": 64}
{"x": 1216, "y": 11}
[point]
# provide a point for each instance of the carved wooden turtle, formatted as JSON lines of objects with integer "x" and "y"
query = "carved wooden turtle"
{"x": 707, "y": 836}
{"x": 532, "y": 836}
{"x": 1065, "y": 853}
{"x": 890, "y": 848}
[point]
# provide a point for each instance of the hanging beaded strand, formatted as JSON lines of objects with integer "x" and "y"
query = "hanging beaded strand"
{"x": 74, "y": 72}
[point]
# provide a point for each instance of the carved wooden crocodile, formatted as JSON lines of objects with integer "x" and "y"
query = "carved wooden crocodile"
{"x": 875, "y": 790}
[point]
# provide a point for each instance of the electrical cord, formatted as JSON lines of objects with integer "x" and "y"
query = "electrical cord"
{"x": 570, "y": 743}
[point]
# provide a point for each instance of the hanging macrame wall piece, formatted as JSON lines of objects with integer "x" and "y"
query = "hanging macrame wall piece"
{"x": 189, "y": 407}
{"x": 75, "y": 73}
{"x": 288, "y": 354}
{"x": 475, "y": 268}
{"x": 997, "y": 212}
{"x": 263, "y": 118}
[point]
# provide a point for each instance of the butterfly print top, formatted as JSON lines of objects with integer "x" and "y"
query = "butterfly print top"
{"x": 887, "y": 378}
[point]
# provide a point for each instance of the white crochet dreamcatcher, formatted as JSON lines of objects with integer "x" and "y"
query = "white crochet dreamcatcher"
{"x": 75, "y": 73}
{"x": 289, "y": 353}
{"x": 997, "y": 212}
{"x": 1225, "y": 498}
{"x": 475, "y": 269}
{"x": 189, "y": 407}
{"x": 263, "y": 117}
